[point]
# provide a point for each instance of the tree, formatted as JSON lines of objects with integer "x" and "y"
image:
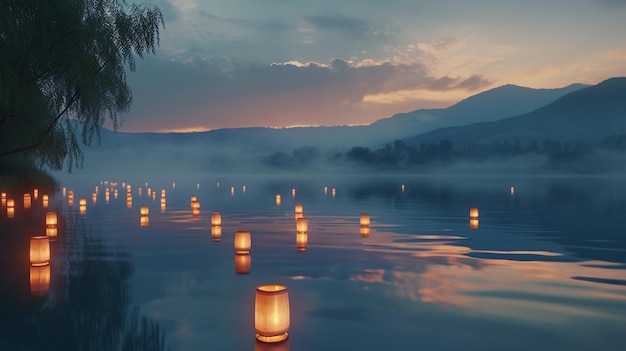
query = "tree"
{"x": 63, "y": 72}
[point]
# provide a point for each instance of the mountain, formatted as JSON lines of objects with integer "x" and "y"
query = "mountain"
{"x": 504, "y": 101}
{"x": 587, "y": 114}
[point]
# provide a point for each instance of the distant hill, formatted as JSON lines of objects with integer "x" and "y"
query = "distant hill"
{"x": 587, "y": 114}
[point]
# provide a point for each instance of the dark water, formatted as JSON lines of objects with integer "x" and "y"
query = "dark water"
{"x": 544, "y": 270}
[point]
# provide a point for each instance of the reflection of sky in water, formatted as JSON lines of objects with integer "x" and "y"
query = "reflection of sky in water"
{"x": 544, "y": 270}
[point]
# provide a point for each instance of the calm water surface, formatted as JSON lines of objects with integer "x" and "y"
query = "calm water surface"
{"x": 545, "y": 269}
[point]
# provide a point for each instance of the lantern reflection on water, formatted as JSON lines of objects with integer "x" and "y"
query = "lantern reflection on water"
{"x": 44, "y": 201}
{"x": 10, "y": 208}
{"x": 39, "y": 280}
{"x": 474, "y": 223}
{"x": 271, "y": 313}
{"x": 144, "y": 221}
{"x": 216, "y": 218}
{"x": 216, "y": 233}
{"x": 39, "y": 250}
{"x": 242, "y": 241}
{"x": 302, "y": 241}
{"x": 243, "y": 261}
{"x": 298, "y": 208}
{"x": 301, "y": 225}
{"x": 365, "y": 232}
{"x": 51, "y": 219}
{"x": 277, "y": 346}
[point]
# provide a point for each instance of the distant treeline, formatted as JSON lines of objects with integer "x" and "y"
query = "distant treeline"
{"x": 399, "y": 155}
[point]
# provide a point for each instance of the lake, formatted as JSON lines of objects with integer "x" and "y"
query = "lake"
{"x": 542, "y": 268}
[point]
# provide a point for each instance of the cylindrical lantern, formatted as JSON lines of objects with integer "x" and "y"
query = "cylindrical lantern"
{"x": 94, "y": 198}
{"x": 82, "y": 209}
{"x": 271, "y": 313}
{"x": 474, "y": 223}
{"x": 242, "y": 263}
{"x": 144, "y": 221}
{"x": 162, "y": 192}
{"x": 129, "y": 202}
{"x": 11, "y": 203}
{"x": 39, "y": 280}
{"x": 195, "y": 205}
{"x": 194, "y": 198}
{"x": 3, "y": 196}
{"x": 365, "y": 232}
{"x": 35, "y": 194}
{"x": 144, "y": 210}
{"x": 365, "y": 220}
{"x": 163, "y": 199}
{"x": 51, "y": 233}
{"x": 195, "y": 211}
{"x": 242, "y": 241}
{"x": 216, "y": 233}
{"x": 512, "y": 190}
{"x": 64, "y": 191}
{"x": 216, "y": 218}
{"x": 302, "y": 241}
{"x": 163, "y": 206}
{"x": 51, "y": 219}
{"x": 27, "y": 201}
{"x": 298, "y": 208}
{"x": 10, "y": 212}
{"x": 39, "y": 250}
{"x": 301, "y": 225}
{"x": 334, "y": 192}
{"x": 82, "y": 202}
{"x": 473, "y": 212}
{"x": 293, "y": 192}
{"x": 325, "y": 190}
{"x": 232, "y": 190}
{"x": 278, "y": 199}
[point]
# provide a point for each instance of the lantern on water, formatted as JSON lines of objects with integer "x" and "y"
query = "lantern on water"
{"x": 302, "y": 241}
{"x": 115, "y": 194}
{"x": 3, "y": 196}
{"x": 216, "y": 233}
{"x": 474, "y": 223}
{"x": 365, "y": 232}
{"x": 298, "y": 208}
{"x": 95, "y": 189}
{"x": 243, "y": 189}
{"x": 301, "y": 225}
{"x": 51, "y": 219}
{"x": 243, "y": 262}
{"x": 139, "y": 191}
{"x": 39, "y": 250}
{"x": 195, "y": 212}
{"x": 39, "y": 280}
{"x": 82, "y": 209}
{"x": 194, "y": 198}
{"x": 473, "y": 212}
{"x": 277, "y": 199}
{"x": 163, "y": 206}
{"x": 242, "y": 241}
{"x": 129, "y": 202}
{"x": 365, "y": 220}
{"x": 216, "y": 218}
{"x": 144, "y": 221}
{"x": 271, "y": 313}
{"x": 144, "y": 210}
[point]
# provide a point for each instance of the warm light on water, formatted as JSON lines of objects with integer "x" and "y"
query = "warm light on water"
{"x": 548, "y": 263}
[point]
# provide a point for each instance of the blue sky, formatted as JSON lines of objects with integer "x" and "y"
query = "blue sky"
{"x": 281, "y": 63}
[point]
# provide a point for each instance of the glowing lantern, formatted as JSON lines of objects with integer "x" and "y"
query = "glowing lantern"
{"x": 51, "y": 219}
{"x": 162, "y": 193}
{"x": 95, "y": 190}
{"x": 39, "y": 280}
{"x": 27, "y": 201}
{"x": 271, "y": 313}
{"x": 198, "y": 186}
{"x": 144, "y": 210}
{"x": 64, "y": 191}
{"x": 277, "y": 200}
{"x": 173, "y": 185}
{"x": 153, "y": 195}
{"x": 365, "y": 232}
{"x": 195, "y": 205}
{"x": 242, "y": 241}
{"x": 194, "y": 198}
{"x": 473, "y": 223}
{"x": 10, "y": 212}
{"x": 365, "y": 220}
{"x": 216, "y": 219}
{"x": 195, "y": 212}
{"x": 163, "y": 206}
{"x": 402, "y": 187}
{"x": 51, "y": 233}
{"x": 149, "y": 192}
{"x": 473, "y": 212}
{"x": 128, "y": 188}
{"x": 301, "y": 225}
{"x": 3, "y": 196}
{"x": 139, "y": 191}
{"x": 94, "y": 198}
{"x": 512, "y": 190}
{"x": 293, "y": 192}
{"x": 35, "y": 194}
{"x": 10, "y": 203}
{"x": 325, "y": 190}
{"x": 44, "y": 201}
{"x": 217, "y": 185}
{"x": 232, "y": 191}
{"x": 243, "y": 189}
{"x": 115, "y": 194}
{"x": 39, "y": 250}
{"x": 144, "y": 221}
{"x": 302, "y": 240}
{"x": 82, "y": 202}
{"x": 70, "y": 201}
{"x": 298, "y": 208}
{"x": 334, "y": 192}
{"x": 242, "y": 263}
{"x": 216, "y": 233}
{"x": 129, "y": 202}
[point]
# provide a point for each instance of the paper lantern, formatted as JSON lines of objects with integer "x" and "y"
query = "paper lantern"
{"x": 512, "y": 190}
{"x": 163, "y": 206}
{"x": 35, "y": 194}
{"x": 64, "y": 191}
{"x": 144, "y": 210}
{"x": 195, "y": 205}
{"x": 51, "y": 233}
{"x": 94, "y": 198}
{"x": 195, "y": 212}
{"x": 162, "y": 193}
{"x": 39, "y": 250}
{"x": 243, "y": 189}
{"x": 139, "y": 191}
{"x": 473, "y": 223}
{"x": 82, "y": 202}
{"x": 232, "y": 191}
{"x": 149, "y": 192}
{"x": 27, "y": 201}
{"x": 39, "y": 280}
{"x": 44, "y": 202}
{"x": 325, "y": 190}
{"x": 473, "y": 212}
{"x": 216, "y": 233}
{"x": 243, "y": 261}
{"x": 242, "y": 241}
{"x": 115, "y": 194}
{"x": 216, "y": 218}
{"x": 334, "y": 192}
{"x": 10, "y": 203}
{"x": 301, "y": 225}
{"x": 194, "y": 198}
{"x": 293, "y": 192}
{"x": 82, "y": 210}
{"x": 302, "y": 241}
{"x": 271, "y": 313}
{"x": 129, "y": 202}
{"x": 3, "y": 196}
{"x": 298, "y": 208}
{"x": 365, "y": 220}
{"x": 95, "y": 190}
{"x": 277, "y": 200}
{"x": 10, "y": 212}
{"x": 365, "y": 232}
{"x": 144, "y": 221}
{"x": 70, "y": 201}
{"x": 51, "y": 219}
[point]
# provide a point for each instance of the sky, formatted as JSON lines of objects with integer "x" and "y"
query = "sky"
{"x": 288, "y": 63}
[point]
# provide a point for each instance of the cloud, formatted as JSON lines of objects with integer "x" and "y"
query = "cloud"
{"x": 351, "y": 27}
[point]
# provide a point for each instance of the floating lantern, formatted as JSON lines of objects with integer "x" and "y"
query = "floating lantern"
{"x": 293, "y": 192}
{"x": 402, "y": 187}
{"x": 473, "y": 212}
{"x": 35, "y": 194}
{"x": 195, "y": 211}
{"x": 365, "y": 220}
{"x": 51, "y": 233}
{"x": 10, "y": 212}
{"x": 129, "y": 202}
{"x": 10, "y": 203}
{"x": 139, "y": 191}
{"x": 298, "y": 208}
{"x": 162, "y": 192}
{"x": 144, "y": 210}
{"x": 325, "y": 190}
{"x": 334, "y": 192}
{"x": 27, "y": 201}
{"x": 277, "y": 199}
{"x": 473, "y": 223}
{"x": 216, "y": 233}
{"x": 301, "y": 225}
{"x": 271, "y": 313}
{"x": 39, "y": 250}
{"x": 51, "y": 219}
{"x": 82, "y": 210}
{"x": 163, "y": 206}
{"x": 3, "y": 196}
{"x": 365, "y": 232}
{"x": 217, "y": 185}
{"x": 144, "y": 221}
{"x": 163, "y": 200}
{"x": 173, "y": 185}
{"x": 153, "y": 195}
{"x": 70, "y": 201}
{"x": 95, "y": 189}
{"x": 94, "y": 198}
{"x": 82, "y": 202}
{"x": 242, "y": 263}
{"x": 242, "y": 241}
{"x": 195, "y": 205}
{"x": 512, "y": 190}
{"x": 64, "y": 191}
{"x": 302, "y": 241}
{"x": 128, "y": 188}
{"x": 198, "y": 186}
{"x": 216, "y": 218}
{"x": 243, "y": 189}
{"x": 149, "y": 191}
{"x": 115, "y": 192}
{"x": 39, "y": 280}
{"x": 232, "y": 191}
